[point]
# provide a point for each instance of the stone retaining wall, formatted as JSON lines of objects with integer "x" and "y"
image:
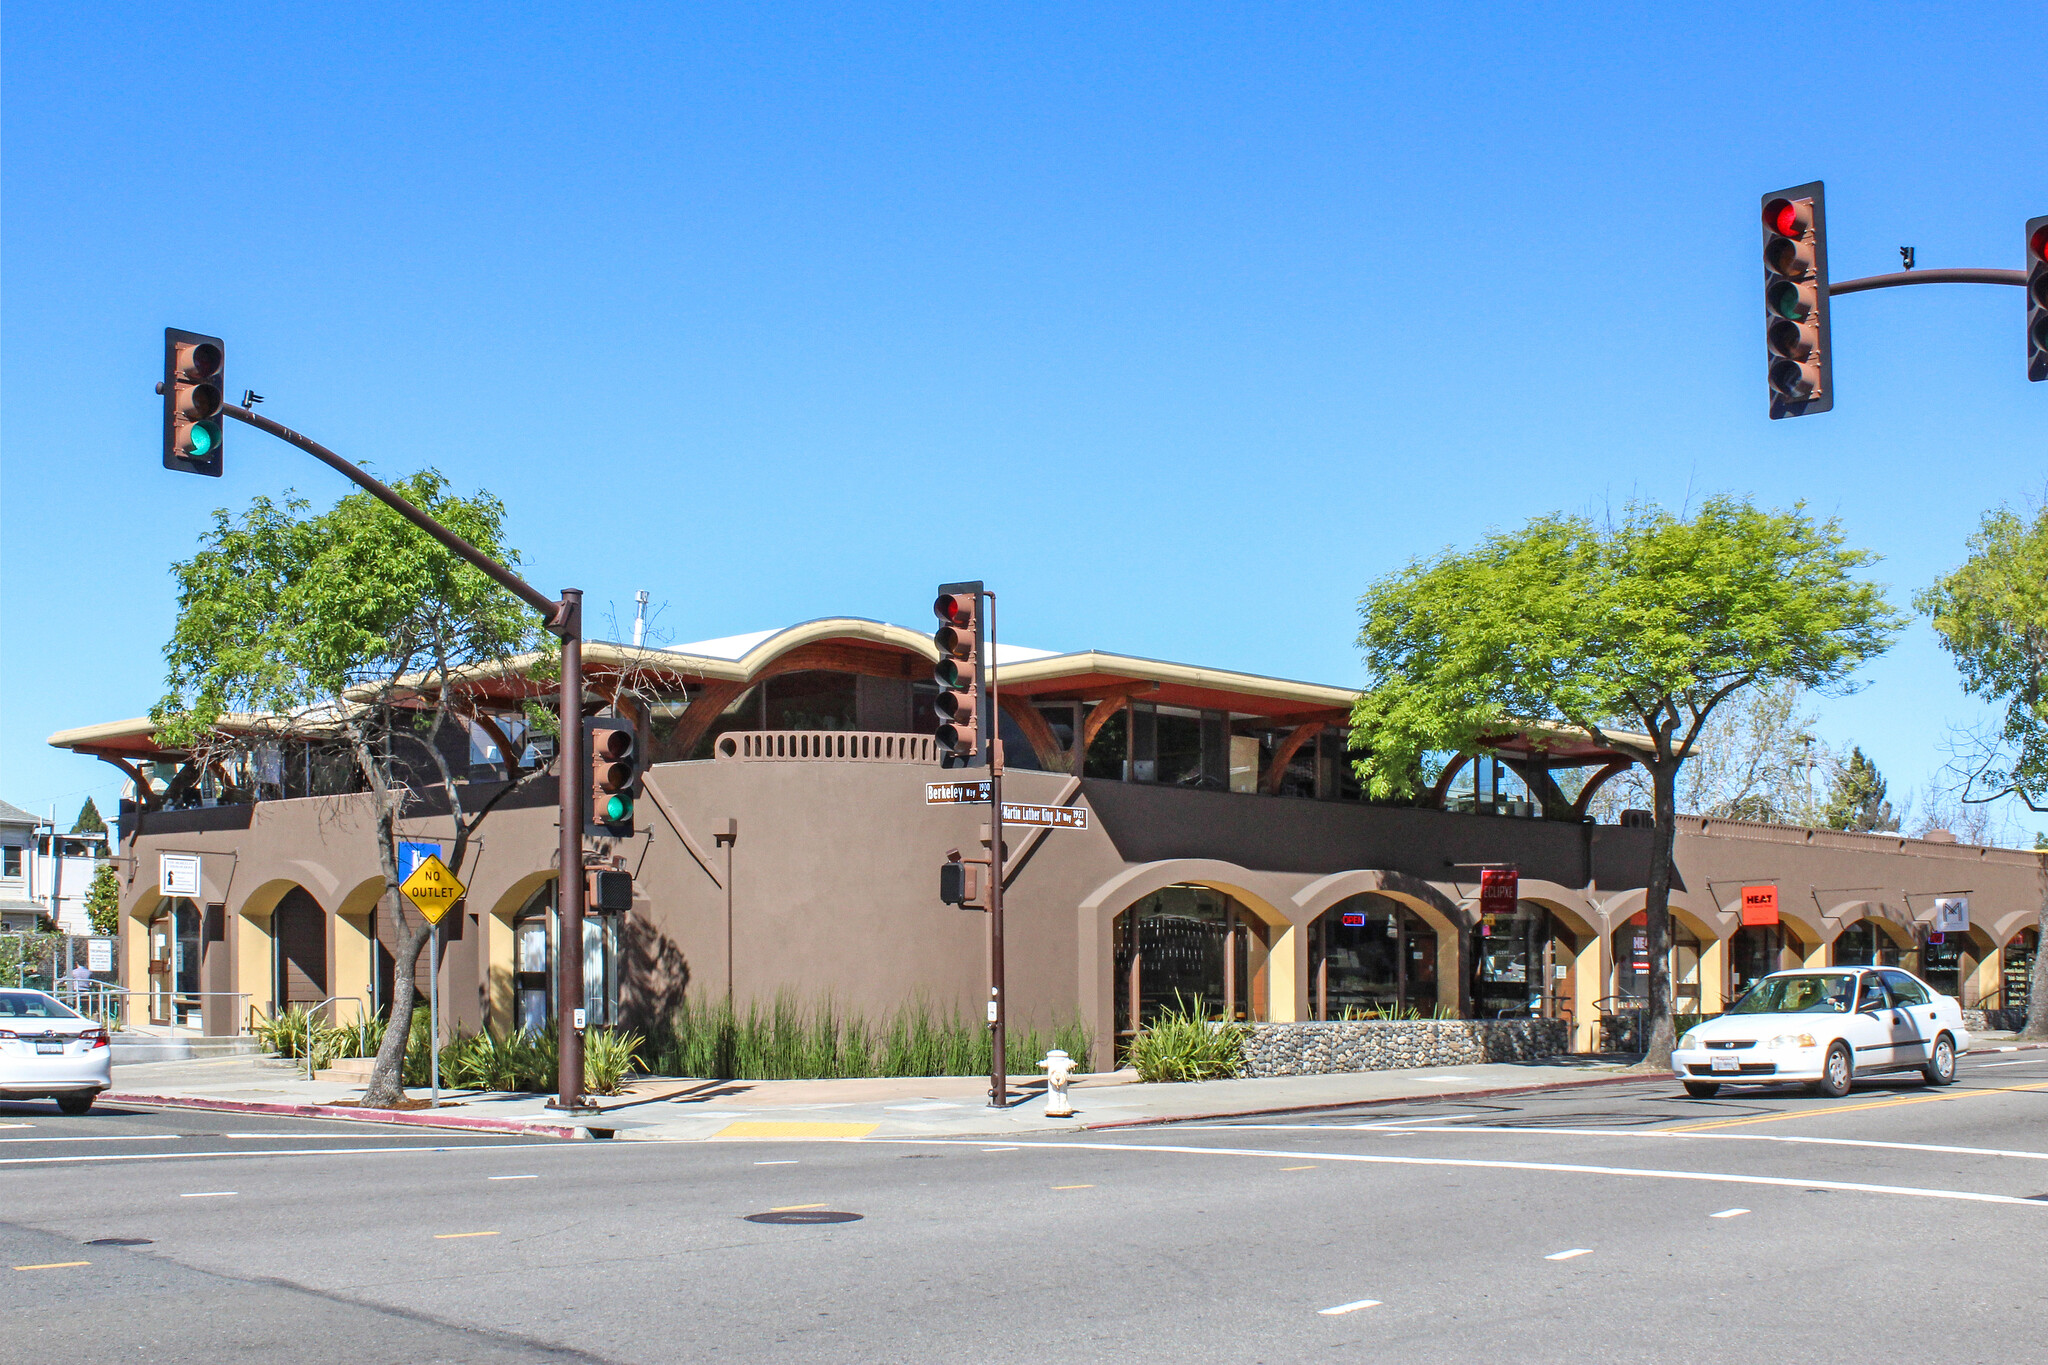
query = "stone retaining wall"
{"x": 1391, "y": 1045}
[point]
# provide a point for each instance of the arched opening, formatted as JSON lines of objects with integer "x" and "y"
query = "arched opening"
{"x": 1632, "y": 961}
{"x": 1371, "y": 956}
{"x": 1523, "y": 963}
{"x": 298, "y": 927}
{"x": 536, "y": 929}
{"x": 174, "y": 962}
{"x": 1757, "y": 950}
{"x": 2017, "y": 974}
{"x": 1875, "y": 943}
{"x": 1190, "y": 945}
{"x": 1948, "y": 962}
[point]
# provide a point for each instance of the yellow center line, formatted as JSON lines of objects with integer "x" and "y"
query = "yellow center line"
{"x": 796, "y": 1208}
{"x": 1821, "y": 1109}
{"x": 1073, "y": 1187}
{"x": 53, "y": 1265}
{"x": 1297, "y": 1168}
{"x": 445, "y": 1236}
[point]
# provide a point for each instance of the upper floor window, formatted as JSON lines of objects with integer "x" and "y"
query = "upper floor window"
{"x": 10, "y": 861}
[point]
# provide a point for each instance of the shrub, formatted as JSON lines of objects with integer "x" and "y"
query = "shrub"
{"x": 1184, "y": 1044}
{"x": 297, "y": 1032}
{"x": 608, "y": 1059}
{"x": 787, "y": 1041}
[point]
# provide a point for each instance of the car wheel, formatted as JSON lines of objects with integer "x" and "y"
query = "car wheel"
{"x": 1941, "y": 1063}
{"x": 74, "y": 1104}
{"x": 1836, "y": 1072}
{"x": 1702, "y": 1090}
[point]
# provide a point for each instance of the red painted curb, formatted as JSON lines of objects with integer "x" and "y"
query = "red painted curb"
{"x": 330, "y": 1111}
{"x": 1367, "y": 1104}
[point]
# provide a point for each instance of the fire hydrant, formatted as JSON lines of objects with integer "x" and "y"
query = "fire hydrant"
{"x": 1058, "y": 1067}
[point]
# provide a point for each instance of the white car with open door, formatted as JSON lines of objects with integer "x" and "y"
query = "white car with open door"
{"x": 1824, "y": 1027}
{"x": 50, "y": 1051}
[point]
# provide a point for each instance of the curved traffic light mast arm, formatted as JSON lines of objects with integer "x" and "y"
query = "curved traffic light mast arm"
{"x": 565, "y": 620}
{"x": 1958, "y": 275}
{"x": 554, "y": 611}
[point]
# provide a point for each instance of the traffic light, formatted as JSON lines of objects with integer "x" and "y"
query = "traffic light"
{"x": 192, "y": 402}
{"x": 2037, "y": 299}
{"x": 1801, "y": 373}
{"x": 963, "y": 718}
{"x": 614, "y": 778}
{"x": 606, "y": 892}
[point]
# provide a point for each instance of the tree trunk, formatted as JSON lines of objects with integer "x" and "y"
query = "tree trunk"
{"x": 2036, "y": 1026}
{"x": 387, "y": 1077}
{"x": 1658, "y": 1035}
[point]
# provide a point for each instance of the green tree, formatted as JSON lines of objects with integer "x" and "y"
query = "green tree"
{"x": 1648, "y": 624}
{"x": 1856, "y": 798}
{"x": 89, "y": 821}
{"x": 103, "y": 901}
{"x": 1991, "y": 614}
{"x": 345, "y": 625}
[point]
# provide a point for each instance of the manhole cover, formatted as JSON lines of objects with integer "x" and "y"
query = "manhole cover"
{"x": 804, "y": 1216}
{"x": 120, "y": 1242}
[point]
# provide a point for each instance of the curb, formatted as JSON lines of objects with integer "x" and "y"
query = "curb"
{"x": 1366, "y": 1104}
{"x": 397, "y": 1117}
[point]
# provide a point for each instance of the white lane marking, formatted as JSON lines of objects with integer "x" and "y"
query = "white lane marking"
{"x": 1728, "y": 1213}
{"x": 1458, "y": 1163}
{"x": 511, "y": 1177}
{"x": 2029, "y": 1061}
{"x": 1382, "y": 1125}
{"x": 265, "y": 1156}
{"x": 999, "y": 1149}
{"x": 1665, "y": 1133}
{"x": 1568, "y": 1255}
{"x": 928, "y": 1104}
{"x": 775, "y": 1163}
{"x": 17, "y": 1125}
{"x": 209, "y": 1194}
{"x": 106, "y": 1137}
{"x": 308, "y": 1137}
{"x": 1344, "y": 1308}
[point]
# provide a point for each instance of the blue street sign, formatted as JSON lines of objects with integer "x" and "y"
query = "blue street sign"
{"x": 411, "y": 855}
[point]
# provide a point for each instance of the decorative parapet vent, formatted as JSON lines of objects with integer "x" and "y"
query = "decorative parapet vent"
{"x": 824, "y": 746}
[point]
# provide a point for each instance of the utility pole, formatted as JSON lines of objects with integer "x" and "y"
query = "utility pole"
{"x": 999, "y": 1061}
{"x": 564, "y": 618}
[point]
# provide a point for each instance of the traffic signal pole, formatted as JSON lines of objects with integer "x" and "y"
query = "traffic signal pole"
{"x": 564, "y": 617}
{"x": 998, "y": 1055}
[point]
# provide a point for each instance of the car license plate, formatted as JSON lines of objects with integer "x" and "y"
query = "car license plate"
{"x": 1724, "y": 1062}
{"x": 49, "y": 1047}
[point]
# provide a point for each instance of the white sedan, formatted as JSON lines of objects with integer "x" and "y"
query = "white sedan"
{"x": 50, "y": 1051}
{"x": 1824, "y": 1028}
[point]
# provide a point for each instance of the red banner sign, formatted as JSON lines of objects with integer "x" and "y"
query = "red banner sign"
{"x": 1759, "y": 905}
{"x": 1499, "y": 889}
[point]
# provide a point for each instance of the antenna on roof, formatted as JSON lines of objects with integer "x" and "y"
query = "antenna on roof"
{"x": 639, "y": 617}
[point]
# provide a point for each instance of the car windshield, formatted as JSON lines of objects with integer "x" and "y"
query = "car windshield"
{"x": 33, "y": 1005}
{"x": 1800, "y": 993}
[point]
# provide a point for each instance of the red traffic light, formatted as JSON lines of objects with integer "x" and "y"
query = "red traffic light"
{"x": 955, "y": 608}
{"x": 1788, "y": 217}
{"x": 2037, "y": 246}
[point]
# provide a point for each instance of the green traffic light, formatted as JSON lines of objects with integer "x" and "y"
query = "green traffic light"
{"x": 617, "y": 810}
{"x": 203, "y": 440}
{"x": 1786, "y": 303}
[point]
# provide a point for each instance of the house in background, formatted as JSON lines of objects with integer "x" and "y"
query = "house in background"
{"x": 18, "y": 909}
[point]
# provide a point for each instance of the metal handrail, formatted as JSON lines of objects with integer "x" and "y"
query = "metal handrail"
{"x": 362, "y": 1012}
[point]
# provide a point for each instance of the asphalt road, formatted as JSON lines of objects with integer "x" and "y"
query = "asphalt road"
{"x": 1620, "y": 1222}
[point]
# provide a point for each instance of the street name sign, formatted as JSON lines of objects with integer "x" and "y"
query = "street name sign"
{"x": 433, "y": 888}
{"x": 955, "y": 793}
{"x": 1051, "y": 817}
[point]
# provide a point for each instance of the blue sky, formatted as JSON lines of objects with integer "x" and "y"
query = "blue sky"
{"x": 1178, "y": 325}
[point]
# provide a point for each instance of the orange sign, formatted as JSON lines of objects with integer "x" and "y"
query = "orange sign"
{"x": 1759, "y": 905}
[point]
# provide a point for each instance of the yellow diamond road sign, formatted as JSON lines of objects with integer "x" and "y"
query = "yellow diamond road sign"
{"x": 433, "y": 888}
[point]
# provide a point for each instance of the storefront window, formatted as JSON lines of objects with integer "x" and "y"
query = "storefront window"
{"x": 1632, "y": 963}
{"x": 2018, "y": 970}
{"x": 1370, "y": 955}
{"x": 1864, "y": 944}
{"x": 1757, "y": 950}
{"x": 1193, "y": 946}
{"x": 534, "y": 933}
{"x": 1515, "y": 962}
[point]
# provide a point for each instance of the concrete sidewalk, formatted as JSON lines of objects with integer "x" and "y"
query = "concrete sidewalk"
{"x": 939, "y": 1106}
{"x": 948, "y": 1106}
